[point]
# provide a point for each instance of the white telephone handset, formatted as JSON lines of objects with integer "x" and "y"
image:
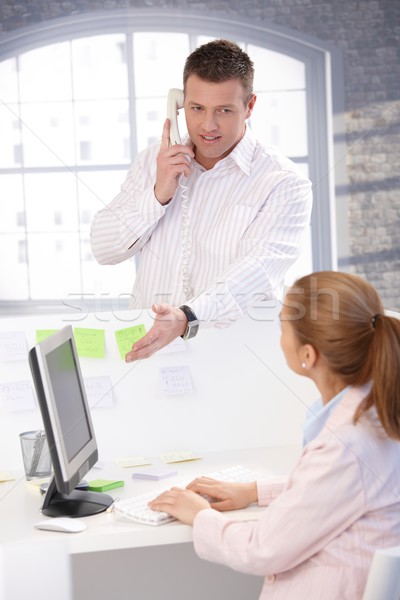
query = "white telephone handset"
{"x": 174, "y": 103}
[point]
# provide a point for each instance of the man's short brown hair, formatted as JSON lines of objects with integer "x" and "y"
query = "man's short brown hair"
{"x": 218, "y": 61}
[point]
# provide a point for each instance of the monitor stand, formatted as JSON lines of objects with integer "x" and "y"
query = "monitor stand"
{"x": 78, "y": 503}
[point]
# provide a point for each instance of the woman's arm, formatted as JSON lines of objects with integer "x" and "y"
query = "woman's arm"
{"x": 323, "y": 497}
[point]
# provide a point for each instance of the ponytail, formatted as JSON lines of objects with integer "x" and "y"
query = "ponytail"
{"x": 384, "y": 363}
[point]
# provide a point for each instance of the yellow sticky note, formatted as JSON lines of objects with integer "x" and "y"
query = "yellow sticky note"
{"x": 5, "y": 476}
{"x": 42, "y": 334}
{"x": 179, "y": 456}
{"x": 132, "y": 461}
{"x": 89, "y": 342}
{"x": 127, "y": 337}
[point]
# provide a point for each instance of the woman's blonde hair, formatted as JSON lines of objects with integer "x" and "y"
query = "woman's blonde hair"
{"x": 342, "y": 317}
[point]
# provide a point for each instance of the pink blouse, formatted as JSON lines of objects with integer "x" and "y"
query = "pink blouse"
{"x": 317, "y": 537}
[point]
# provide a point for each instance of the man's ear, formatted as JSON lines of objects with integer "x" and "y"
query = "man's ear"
{"x": 250, "y": 105}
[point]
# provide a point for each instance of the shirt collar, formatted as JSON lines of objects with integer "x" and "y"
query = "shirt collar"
{"x": 242, "y": 154}
{"x": 336, "y": 412}
{"x": 318, "y": 414}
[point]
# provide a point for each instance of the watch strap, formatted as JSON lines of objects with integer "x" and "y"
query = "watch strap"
{"x": 192, "y": 326}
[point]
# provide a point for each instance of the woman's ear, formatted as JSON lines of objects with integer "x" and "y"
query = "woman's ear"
{"x": 308, "y": 356}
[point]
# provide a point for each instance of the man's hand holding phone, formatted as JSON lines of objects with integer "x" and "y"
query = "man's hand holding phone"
{"x": 172, "y": 162}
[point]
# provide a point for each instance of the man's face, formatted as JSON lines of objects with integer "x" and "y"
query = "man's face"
{"x": 215, "y": 117}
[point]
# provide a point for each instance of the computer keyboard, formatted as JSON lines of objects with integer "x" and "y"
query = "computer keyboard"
{"x": 136, "y": 507}
{"x": 237, "y": 473}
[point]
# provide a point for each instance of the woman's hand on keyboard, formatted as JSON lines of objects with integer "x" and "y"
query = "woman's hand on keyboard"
{"x": 225, "y": 495}
{"x": 182, "y": 504}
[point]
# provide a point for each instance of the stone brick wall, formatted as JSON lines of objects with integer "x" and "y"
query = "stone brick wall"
{"x": 368, "y": 33}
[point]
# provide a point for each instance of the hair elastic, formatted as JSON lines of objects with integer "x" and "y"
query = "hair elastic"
{"x": 374, "y": 318}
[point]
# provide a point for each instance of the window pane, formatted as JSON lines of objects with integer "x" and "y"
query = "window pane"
{"x": 99, "y": 67}
{"x": 103, "y": 132}
{"x": 12, "y": 209}
{"x": 14, "y": 269}
{"x": 54, "y": 265}
{"x": 107, "y": 281}
{"x": 8, "y": 81}
{"x": 303, "y": 264}
{"x": 279, "y": 119}
{"x": 47, "y": 134}
{"x": 96, "y": 189}
{"x": 51, "y": 203}
{"x": 274, "y": 71}
{"x": 204, "y": 39}
{"x": 304, "y": 168}
{"x": 150, "y": 116}
{"x": 45, "y": 73}
{"x": 159, "y": 59}
{"x": 10, "y": 146}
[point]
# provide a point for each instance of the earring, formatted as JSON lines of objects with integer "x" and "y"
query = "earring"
{"x": 303, "y": 365}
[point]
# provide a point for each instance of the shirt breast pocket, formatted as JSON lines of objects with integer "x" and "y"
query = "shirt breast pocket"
{"x": 222, "y": 239}
{"x": 237, "y": 220}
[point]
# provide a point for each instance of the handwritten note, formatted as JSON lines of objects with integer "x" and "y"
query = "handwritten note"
{"x": 176, "y": 381}
{"x": 89, "y": 342}
{"x": 179, "y": 456}
{"x": 42, "y": 334}
{"x": 17, "y": 396}
{"x": 13, "y": 346}
{"x": 177, "y": 345}
{"x": 127, "y": 337}
{"x": 99, "y": 391}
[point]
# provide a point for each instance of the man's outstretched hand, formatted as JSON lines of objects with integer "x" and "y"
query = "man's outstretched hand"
{"x": 169, "y": 323}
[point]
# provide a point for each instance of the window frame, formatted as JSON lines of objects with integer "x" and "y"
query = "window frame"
{"x": 323, "y": 65}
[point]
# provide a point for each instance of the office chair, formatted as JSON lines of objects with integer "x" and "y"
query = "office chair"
{"x": 383, "y": 581}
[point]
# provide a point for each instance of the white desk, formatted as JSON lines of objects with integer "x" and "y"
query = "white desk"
{"x": 129, "y": 560}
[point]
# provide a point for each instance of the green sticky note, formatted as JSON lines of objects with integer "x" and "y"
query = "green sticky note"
{"x": 102, "y": 485}
{"x": 127, "y": 337}
{"x": 42, "y": 334}
{"x": 89, "y": 342}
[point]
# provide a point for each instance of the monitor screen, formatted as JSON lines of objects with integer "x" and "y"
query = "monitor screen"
{"x": 69, "y": 399}
{"x": 66, "y": 417}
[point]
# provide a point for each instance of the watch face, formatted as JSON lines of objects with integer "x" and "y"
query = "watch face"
{"x": 191, "y": 330}
{"x": 194, "y": 329}
{"x": 192, "y": 326}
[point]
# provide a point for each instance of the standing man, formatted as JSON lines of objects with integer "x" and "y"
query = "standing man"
{"x": 218, "y": 220}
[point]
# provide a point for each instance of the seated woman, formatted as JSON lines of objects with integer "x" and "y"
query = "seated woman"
{"x": 341, "y": 502}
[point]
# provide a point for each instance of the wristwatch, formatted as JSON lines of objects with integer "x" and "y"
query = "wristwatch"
{"x": 192, "y": 326}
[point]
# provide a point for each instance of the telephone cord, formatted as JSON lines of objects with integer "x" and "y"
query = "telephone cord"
{"x": 186, "y": 245}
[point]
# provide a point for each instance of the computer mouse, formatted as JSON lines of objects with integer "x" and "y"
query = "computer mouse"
{"x": 64, "y": 524}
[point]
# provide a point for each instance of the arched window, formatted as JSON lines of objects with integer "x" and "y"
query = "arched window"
{"x": 79, "y": 97}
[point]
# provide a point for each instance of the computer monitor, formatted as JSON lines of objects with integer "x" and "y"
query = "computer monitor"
{"x": 66, "y": 418}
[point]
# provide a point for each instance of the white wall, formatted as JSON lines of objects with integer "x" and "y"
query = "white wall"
{"x": 244, "y": 395}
